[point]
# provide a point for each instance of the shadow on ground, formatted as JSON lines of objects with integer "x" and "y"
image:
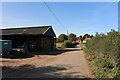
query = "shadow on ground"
{"x": 56, "y": 52}
{"x": 21, "y": 55}
{"x": 30, "y": 71}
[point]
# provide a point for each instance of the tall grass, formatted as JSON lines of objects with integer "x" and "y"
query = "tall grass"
{"x": 103, "y": 52}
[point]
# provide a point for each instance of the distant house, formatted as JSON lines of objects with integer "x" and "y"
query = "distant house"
{"x": 40, "y": 38}
{"x": 78, "y": 40}
{"x": 86, "y": 39}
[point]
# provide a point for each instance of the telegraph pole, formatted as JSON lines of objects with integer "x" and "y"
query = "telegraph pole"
{"x": 68, "y": 34}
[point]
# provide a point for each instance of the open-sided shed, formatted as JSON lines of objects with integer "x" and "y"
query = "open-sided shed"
{"x": 41, "y": 38}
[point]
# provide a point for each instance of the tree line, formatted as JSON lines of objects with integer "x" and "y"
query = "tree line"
{"x": 72, "y": 37}
{"x": 68, "y": 41}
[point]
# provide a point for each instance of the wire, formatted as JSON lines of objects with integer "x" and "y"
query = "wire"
{"x": 54, "y": 14}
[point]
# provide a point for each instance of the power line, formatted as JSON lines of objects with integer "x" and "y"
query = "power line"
{"x": 54, "y": 15}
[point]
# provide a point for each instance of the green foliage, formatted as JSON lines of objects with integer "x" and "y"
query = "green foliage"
{"x": 104, "y": 54}
{"x": 72, "y": 36}
{"x": 62, "y": 38}
{"x": 68, "y": 44}
{"x": 84, "y": 36}
{"x": 81, "y": 37}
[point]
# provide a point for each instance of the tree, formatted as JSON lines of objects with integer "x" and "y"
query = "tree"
{"x": 81, "y": 37}
{"x": 86, "y": 35}
{"x": 72, "y": 36}
{"x": 62, "y": 38}
{"x": 91, "y": 36}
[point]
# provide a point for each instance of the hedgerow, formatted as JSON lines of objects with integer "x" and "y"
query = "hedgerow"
{"x": 103, "y": 53}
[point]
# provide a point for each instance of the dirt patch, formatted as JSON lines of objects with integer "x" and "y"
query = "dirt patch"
{"x": 69, "y": 64}
{"x": 30, "y": 61}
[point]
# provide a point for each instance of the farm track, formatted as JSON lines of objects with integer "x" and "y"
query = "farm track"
{"x": 69, "y": 64}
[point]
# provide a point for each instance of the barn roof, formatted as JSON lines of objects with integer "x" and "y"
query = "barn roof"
{"x": 39, "y": 30}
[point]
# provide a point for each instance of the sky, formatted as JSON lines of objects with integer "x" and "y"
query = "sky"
{"x": 76, "y": 17}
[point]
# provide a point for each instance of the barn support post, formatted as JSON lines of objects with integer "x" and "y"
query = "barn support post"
{"x": 27, "y": 42}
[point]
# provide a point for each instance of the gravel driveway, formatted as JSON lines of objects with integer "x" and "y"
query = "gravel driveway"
{"x": 69, "y": 64}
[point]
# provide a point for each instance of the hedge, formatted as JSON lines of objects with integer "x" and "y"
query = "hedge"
{"x": 103, "y": 52}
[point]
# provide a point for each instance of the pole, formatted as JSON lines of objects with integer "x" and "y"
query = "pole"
{"x": 68, "y": 34}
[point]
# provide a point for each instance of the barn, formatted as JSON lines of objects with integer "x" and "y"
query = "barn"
{"x": 40, "y": 38}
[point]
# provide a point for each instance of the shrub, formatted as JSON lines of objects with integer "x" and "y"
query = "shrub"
{"x": 61, "y": 38}
{"x": 72, "y": 36}
{"x": 58, "y": 45}
{"x": 68, "y": 44}
{"x": 103, "y": 52}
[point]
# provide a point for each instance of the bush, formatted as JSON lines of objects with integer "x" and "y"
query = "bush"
{"x": 68, "y": 44}
{"x": 103, "y": 52}
{"x": 61, "y": 38}
{"x": 58, "y": 45}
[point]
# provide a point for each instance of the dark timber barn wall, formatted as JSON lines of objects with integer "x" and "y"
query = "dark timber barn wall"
{"x": 34, "y": 38}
